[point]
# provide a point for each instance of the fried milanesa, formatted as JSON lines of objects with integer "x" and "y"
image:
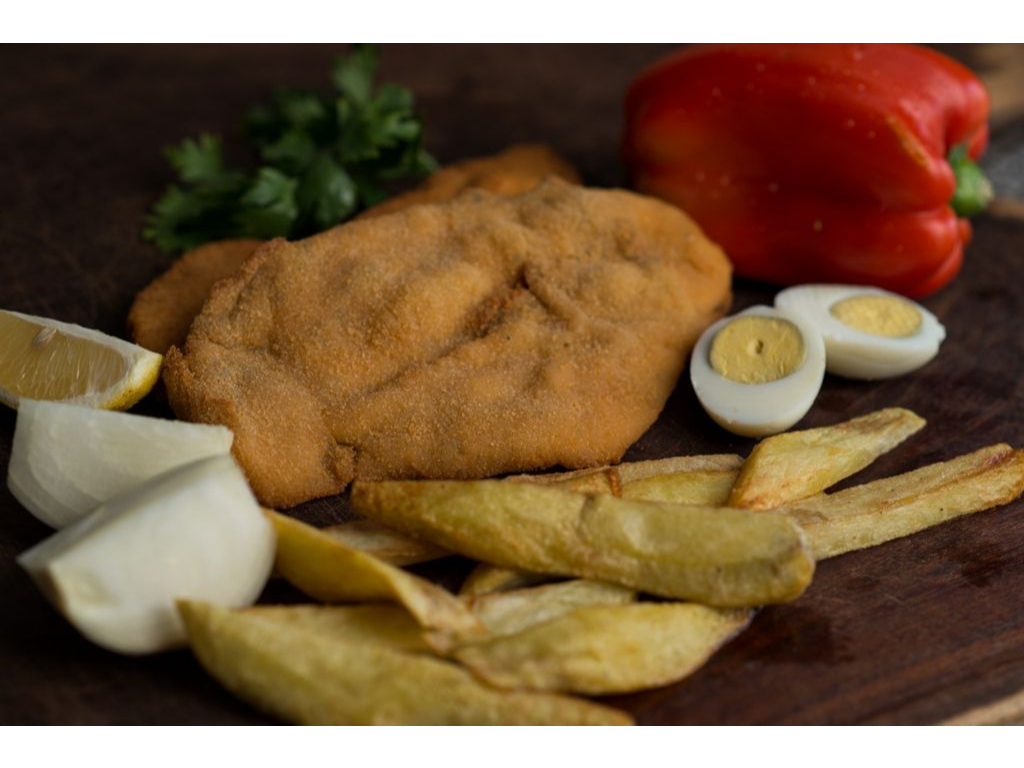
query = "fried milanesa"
{"x": 510, "y": 172}
{"x": 163, "y": 312}
{"x": 484, "y": 335}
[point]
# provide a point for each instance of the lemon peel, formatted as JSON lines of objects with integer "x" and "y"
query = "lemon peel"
{"x": 46, "y": 359}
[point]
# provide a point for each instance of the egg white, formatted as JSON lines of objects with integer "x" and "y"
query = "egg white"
{"x": 756, "y": 410}
{"x": 852, "y": 353}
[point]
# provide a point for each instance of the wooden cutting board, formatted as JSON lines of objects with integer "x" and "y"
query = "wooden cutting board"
{"x": 922, "y": 630}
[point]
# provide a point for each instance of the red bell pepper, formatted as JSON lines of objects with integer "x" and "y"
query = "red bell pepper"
{"x": 817, "y": 163}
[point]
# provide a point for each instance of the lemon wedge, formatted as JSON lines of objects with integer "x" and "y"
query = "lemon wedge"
{"x": 46, "y": 359}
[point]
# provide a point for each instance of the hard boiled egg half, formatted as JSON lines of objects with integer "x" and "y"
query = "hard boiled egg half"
{"x": 757, "y": 373}
{"x": 869, "y": 333}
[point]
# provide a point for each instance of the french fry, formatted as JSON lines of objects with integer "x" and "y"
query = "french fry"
{"x": 701, "y": 480}
{"x": 615, "y": 480}
{"x": 719, "y": 556}
{"x": 390, "y": 546}
{"x": 307, "y": 676}
{"x": 796, "y": 465}
{"x": 880, "y": 511}
{"x": 327, "y": 569}
{"x": 600, "y": 650}
{"x": 631, "y": 472}
{"x": 505, "y": 613}
{"x": 703, "y": 487}
{"x": 383, "y": 624}
{"x": 600, "y": 480}
{"x": 486, "y": 578}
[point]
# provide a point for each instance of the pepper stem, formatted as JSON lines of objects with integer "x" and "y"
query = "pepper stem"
{"x": 973, "y": 190}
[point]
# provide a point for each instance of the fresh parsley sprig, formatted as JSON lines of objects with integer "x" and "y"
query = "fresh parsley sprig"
{"x": 322, "y": 159}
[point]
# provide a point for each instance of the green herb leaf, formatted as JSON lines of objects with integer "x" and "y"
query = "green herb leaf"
{"x": 197, "y": 160}
{"x": 368, "y": 190}
{"x": 324, "y": 158}
{"x": 301, "y": 109}
{"x": 326, "y": 194}
{"x": 353, "y": 76}
{"x": 293, "y": 151}
{"x": 184, "y": 218}
{"x": 269, "y": 208}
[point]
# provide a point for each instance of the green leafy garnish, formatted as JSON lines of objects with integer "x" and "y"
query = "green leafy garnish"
{"x": 322, "y": 158}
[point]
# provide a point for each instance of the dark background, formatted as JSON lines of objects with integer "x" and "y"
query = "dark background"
{"x": 916, "y": 631}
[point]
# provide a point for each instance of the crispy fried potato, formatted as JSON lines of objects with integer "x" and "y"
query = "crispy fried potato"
{"x": 898, "y": 506}
{"x": 704, "y": 480}
{"x": 718, "y": 556}
{"x": 390, "y": 546}
{"x": 629, "y": 479}
{"x": 633, "y": 471}
{"x": 303, "y": 675}
{"x": 327, "y": 569}
{"x": 600, "y": 480}
{"x": 797, "y": 465}
{"x": 505, "y": 613}
{"x": 487, "y": 578}
{"x": 607, "y": 649}
{"x": 703, "y": 487}
{"x": 381, "y": 624}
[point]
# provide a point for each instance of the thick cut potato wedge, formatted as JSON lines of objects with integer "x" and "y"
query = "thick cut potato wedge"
{"x": 383, "y": 543}
{"x": 703, "y": 487}
{"x": 898, "y": 506}
{"x": 718, "y": 556}
{"x": 619, "y": 479}
{"x": 327, "y": 569}
{"x": 382, "y": 624}
{"x": 505, "y": 613}
{"x": 796, "y": 465}
{"x": 302, "y": 675}
{"x": 607, "y": 649}
{"x": 700, "y": 480}
{"x": 600, "y": 480}
{"x": 634, "y": 471}
{"x": 486, "y": 578}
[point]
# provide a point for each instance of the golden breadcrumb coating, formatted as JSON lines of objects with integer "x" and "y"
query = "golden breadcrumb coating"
{"x": 480, "y": 336}
{"x": 163, "y": 311}
{"x": 513, "y": 171}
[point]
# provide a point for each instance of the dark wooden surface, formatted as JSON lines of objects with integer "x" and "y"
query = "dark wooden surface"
{"x": 915, "y": 631}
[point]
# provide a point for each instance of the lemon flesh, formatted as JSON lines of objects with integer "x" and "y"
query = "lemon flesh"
{"x": 45, "y": 359}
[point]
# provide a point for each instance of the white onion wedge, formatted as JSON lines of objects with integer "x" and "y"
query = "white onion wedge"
{"x": 195, "y": 532}
{"x": 66, "y": 460}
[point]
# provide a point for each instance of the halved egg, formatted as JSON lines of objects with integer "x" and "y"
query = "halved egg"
{"x": 869, "y": 333}
{"x": 757, "y": 373}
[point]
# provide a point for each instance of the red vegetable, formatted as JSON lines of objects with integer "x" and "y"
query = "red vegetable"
{"x": 817, "y": 163}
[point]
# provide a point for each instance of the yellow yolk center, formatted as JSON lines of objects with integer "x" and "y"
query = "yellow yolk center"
{"x": 878, "y": 315}
{"x": 756, "y": 350}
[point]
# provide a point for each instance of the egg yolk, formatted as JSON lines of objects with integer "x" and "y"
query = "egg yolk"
{"x": 756, "y": 350}
{"x": 878, "y": 315}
